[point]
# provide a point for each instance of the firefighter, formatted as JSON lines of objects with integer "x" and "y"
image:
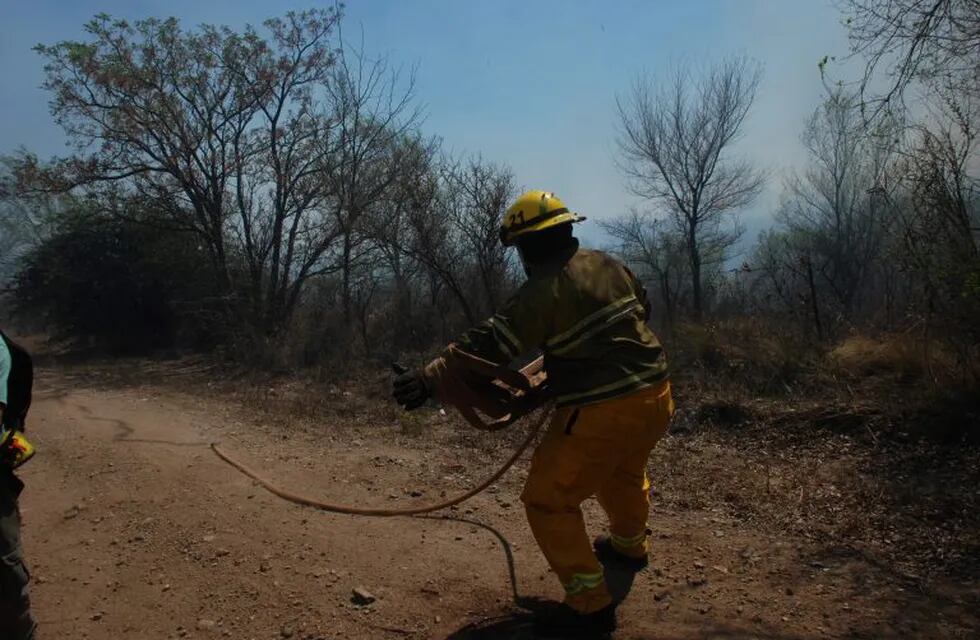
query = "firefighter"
{"x": 16, "y": 620}
{"x": 607, "y": 374}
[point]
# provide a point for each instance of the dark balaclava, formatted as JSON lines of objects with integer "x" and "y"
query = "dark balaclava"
{"x": 546, "y": 246}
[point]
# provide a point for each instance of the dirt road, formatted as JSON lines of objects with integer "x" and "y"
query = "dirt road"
{"x": 134, "y": 529}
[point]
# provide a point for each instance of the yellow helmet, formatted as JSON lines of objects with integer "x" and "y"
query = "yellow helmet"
{"x": 534, "y": 211}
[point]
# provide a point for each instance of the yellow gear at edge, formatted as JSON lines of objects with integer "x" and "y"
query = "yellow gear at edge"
{"x": 599, "y": 449}
{"x": 20, "y": 449}
{"x": 534, "y": 211}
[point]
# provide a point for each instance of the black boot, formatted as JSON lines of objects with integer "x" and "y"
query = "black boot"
{"x": 565, "y": 622}
{"x": 607, "y": 553}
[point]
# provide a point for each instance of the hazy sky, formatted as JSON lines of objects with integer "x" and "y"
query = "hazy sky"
{"x": 530, "y": 83}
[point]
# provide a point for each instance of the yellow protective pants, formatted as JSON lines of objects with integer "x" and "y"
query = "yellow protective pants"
{"x": 598, "y": 449}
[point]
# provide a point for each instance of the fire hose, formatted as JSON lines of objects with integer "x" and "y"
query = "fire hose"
{"x": 407, "y": 511}
{"x": 519, "y": 385}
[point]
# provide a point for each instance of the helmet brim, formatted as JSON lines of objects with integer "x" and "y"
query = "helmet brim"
{"x": 507, "y": 237}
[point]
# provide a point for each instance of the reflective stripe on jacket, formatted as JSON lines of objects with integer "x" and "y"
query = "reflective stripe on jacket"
{"x": 587, "y": 313}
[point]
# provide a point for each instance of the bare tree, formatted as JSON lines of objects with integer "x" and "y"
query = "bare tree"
{"x": 782, "y": 278}
{"x": 941, "y": 167}
{"x": 834, "y": 211}
{"x": 913, "y": 40}
{"x": 373, "y": 112}
{"x": 391, "y": 230}
{"x": 434, "y": 244}
{"x": 675, "y": 144}
{"x": 939, "y": 208}
{"x": 448, "y": 219}
{"x": 932, "y": 46}
{"x": 281, "y": 154}
{"x": 476, "y": 195}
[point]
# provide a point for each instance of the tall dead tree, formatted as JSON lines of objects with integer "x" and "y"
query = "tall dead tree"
{"x": 373, "y": 111}
{"x": 477, "y": 194}
{"x": 390, "y": 226}
{"x": 675, "y": 148}
{"x": 833, "y": 209}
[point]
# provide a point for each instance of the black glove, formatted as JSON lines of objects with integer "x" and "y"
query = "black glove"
{"x": 410, "y": 390}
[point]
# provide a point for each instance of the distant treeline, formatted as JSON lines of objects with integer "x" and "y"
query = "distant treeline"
{"x": 271, "y": 192}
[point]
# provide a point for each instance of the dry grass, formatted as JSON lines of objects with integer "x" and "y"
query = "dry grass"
{"x": 913, "y": 504}
{"x": 871, "y": 446}
{"x": 893, "y": 355}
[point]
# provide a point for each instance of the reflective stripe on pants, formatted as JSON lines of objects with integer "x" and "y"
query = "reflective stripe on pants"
{"x": 635, "y": 546}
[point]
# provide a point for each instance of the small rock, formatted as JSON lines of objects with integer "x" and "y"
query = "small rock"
{"x": 96, "y": 616}
{"x": 789, "y": 591}
{"x": 417, "y": 494}
{"x": 287, "y": 631}
{"x": 206, "y": 625}
{"x": 362, "y": 596}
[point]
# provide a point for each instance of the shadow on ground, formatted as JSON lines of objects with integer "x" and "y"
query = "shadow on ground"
{"x": 519, "y": 626}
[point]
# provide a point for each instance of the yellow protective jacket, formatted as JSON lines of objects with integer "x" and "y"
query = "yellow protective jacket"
{"x": 587, "y": 313}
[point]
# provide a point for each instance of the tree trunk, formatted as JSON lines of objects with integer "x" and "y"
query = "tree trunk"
{"x": 668, "y": 297}
{"x": 695, "y": 259}
{"x": 815, "y": 307}
{"x": 346, "y": 277}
